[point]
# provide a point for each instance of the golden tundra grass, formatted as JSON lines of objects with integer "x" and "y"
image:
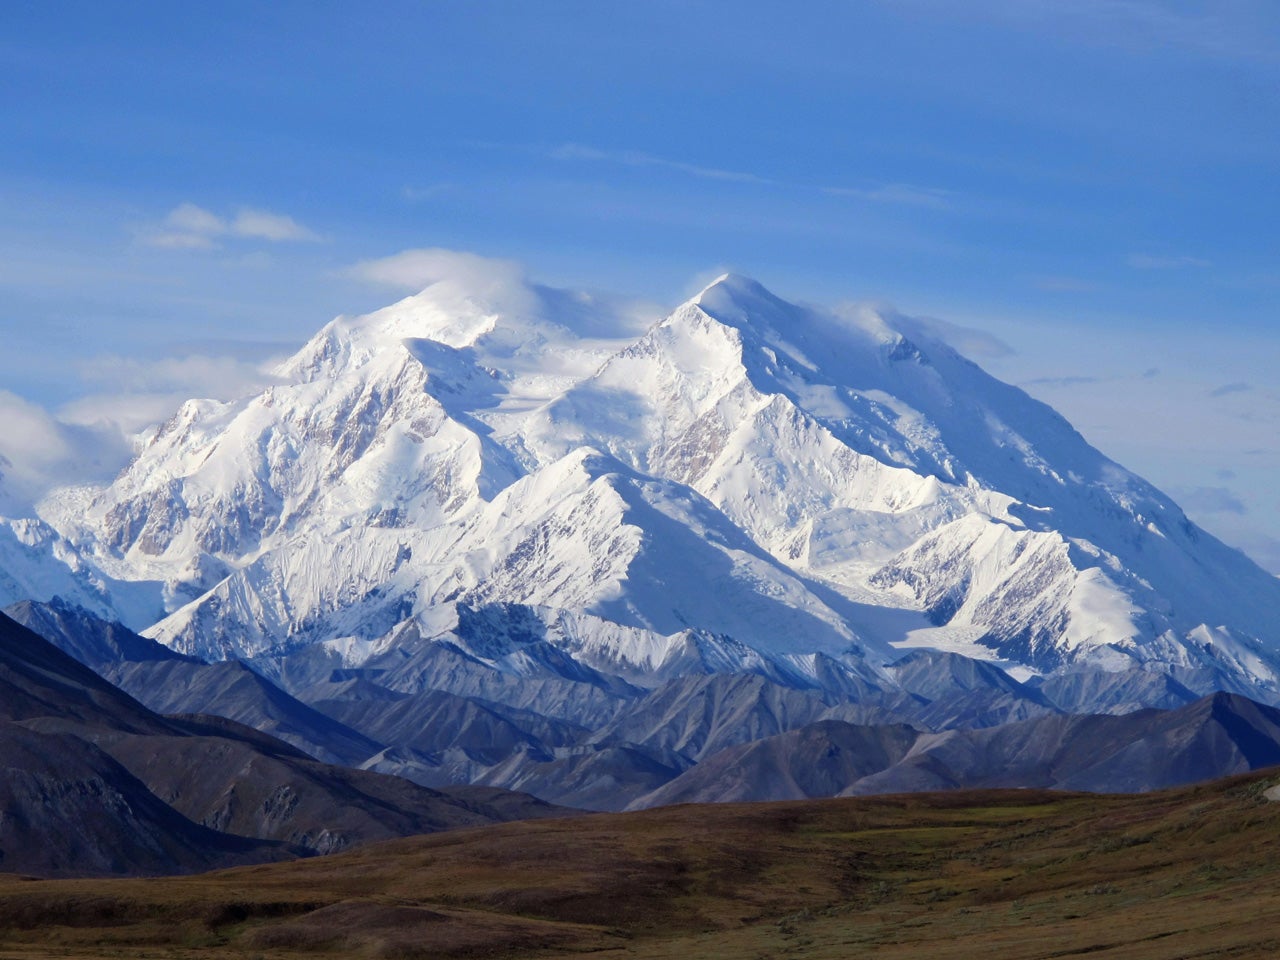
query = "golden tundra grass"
{"x": 998, "y": 875}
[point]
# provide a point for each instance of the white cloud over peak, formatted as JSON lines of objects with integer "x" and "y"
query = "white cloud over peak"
{"x": 464, "y": 281}
{"x": 471, "y": 274}
{"x": 969, "y": 341}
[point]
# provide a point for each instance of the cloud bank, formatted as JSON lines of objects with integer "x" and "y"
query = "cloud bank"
{"x": 90, "y": 439}
{"x": 133, "y": 394}
{"x": 39, "y": 452}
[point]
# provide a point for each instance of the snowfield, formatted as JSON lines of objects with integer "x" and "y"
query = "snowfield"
{"x": 745, "y": 481}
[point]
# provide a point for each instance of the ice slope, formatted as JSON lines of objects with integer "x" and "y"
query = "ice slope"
{"x": 855, "y": 452}
{"x": 789, "y": 479}
{"x": 584, "y": 533}
{"x": 37, "y": 563}
{"x": 359, "y": 432}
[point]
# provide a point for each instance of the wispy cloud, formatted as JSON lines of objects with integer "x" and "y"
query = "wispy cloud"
{"x": 198, "y": 375}
{"x": 636, "y": 158}
{"x": 1140, "y": 25}
{"x": 1078, "y": 381}
{"x": 1229, "y": 388}
{"x": 1070, "y": 381}
{"x": 275, "y": 227}
{"x": 1141, "y": 261}
{"x": 173, "y": 240}
{"x": 132, "y": 394}
{"x": 900, "y": 193}
{"x": 1054, "y": 283}
{"x": 889, "y": 193}
{"x": 191, "y": 227}
{"x": 969, "y": 341}
{"x": 1209, "y": 500}
{"x": 416, "y": 194}
{"x": 457, "y": 276}
{"x": 188, "y": 218}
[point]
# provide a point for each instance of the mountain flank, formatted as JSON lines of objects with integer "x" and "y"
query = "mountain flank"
{"x": 750, "y": 549}
{"x": 596, "y": 741}
{"x": 744, "y": 478}
{"x": 97, "y": 783}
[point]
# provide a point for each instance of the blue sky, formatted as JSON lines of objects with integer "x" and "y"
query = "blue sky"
{"x": 185, "y": 187}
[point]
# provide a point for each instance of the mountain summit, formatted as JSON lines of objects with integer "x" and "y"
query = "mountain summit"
{"x": 790, "y": 480}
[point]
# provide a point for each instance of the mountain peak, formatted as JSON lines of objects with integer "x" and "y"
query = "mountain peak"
{"x": 732, "y": 281}
{"x": 525, "y": 444}
{"x": 737, "y": 293}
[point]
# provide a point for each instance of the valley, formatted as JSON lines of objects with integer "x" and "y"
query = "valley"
{"x": 1187, "y": 873}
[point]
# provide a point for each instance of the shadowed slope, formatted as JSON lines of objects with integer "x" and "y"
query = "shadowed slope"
{"x": 170, "y": 682}
{"x": 69, "y": 809}
{"x": 86, "y": 768}
{"x": 37, "y": 680}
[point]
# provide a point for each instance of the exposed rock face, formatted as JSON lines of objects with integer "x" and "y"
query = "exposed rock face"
{"x": 1214, "y": 737}
{"x": 95, "y": 783}
{"x": 69, "y": 809}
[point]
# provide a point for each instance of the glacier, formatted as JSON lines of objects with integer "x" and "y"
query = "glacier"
{"x": 745, "y": 481}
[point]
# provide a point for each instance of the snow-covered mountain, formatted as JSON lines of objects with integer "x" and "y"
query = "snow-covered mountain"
{"x": 781, "y": 481}
{"x": 38, "y": 563}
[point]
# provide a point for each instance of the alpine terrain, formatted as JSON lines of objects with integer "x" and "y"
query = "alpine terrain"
{"x": 509, "y": 535}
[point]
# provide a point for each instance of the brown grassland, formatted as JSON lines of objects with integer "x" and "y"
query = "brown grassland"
{"x": 1186, "y": 873}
